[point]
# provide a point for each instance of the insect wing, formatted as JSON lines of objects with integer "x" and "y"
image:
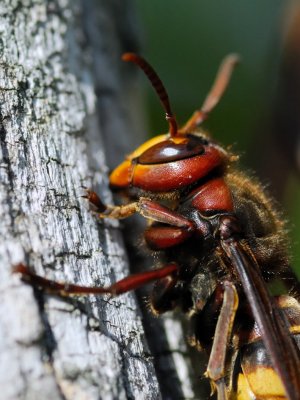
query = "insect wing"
{"x": 270, "y": 319}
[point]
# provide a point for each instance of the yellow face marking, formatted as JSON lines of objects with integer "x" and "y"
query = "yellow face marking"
{"x": 121, "y": 175}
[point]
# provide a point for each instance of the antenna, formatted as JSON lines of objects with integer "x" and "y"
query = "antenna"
{"x": 157, "y": 85}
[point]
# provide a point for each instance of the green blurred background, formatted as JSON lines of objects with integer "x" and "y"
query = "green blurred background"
{"x": 185, "y": 42}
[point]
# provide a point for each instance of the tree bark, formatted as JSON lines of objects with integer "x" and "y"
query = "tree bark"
{"x": 59, "y": 67}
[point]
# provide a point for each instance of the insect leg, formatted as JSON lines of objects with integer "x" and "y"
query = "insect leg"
{"x": 167, "y": 294}
{"x": 151, "y": 209}
{"x": 95, "y": 200}
{"x": 163, "y": 237}
{"x": 216, "y": 365}
{"x": 124, "y": 285}
{"x": 108, "y": 211}
{"x": 144, "y": 206}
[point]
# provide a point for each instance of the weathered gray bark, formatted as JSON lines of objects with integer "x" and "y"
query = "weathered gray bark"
{"x": 59, "y": 65}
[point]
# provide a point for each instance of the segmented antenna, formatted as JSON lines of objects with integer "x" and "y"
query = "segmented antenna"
{"x": 218, "y": 88}
{"x": 157, "y": 85}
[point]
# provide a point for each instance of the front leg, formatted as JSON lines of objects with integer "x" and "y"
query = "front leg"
{"x": 146, "y": 207}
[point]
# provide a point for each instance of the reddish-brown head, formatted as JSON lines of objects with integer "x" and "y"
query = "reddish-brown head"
{"x": 181, "y": 157}
{"x": 165, "y": 163}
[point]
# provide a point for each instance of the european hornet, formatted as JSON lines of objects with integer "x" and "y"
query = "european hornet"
{"x": 221, "y": 242}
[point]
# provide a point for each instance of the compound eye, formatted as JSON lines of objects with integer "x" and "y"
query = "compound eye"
{"x": 169, "y": 150}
